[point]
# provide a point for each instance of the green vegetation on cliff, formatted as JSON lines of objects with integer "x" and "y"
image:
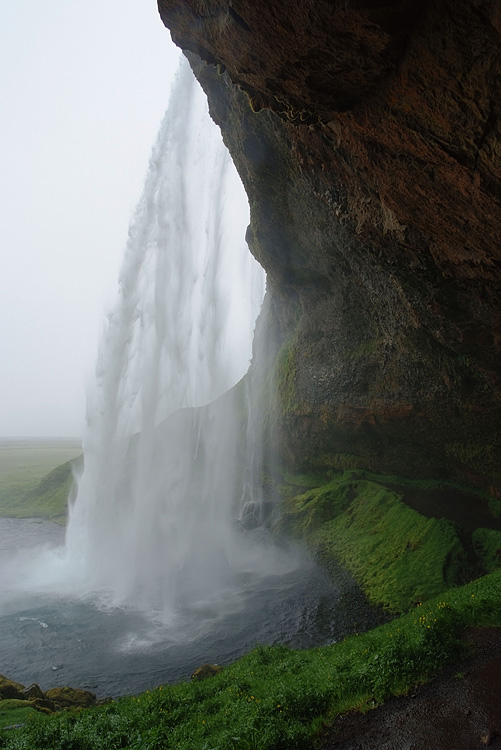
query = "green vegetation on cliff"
{"x": 487, "y": 543}
{"x": 274, "y": 697}
{"x": 397, "y": 555}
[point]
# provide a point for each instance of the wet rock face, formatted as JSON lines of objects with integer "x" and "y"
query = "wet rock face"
{"x": 309, "y": 58}
{"x": 368, "y": 137}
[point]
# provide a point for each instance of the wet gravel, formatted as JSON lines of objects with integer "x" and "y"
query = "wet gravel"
{"x": 459, "y": 710}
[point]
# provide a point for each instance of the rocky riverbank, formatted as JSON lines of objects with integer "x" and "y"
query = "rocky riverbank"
{"x": 15, "y": 697}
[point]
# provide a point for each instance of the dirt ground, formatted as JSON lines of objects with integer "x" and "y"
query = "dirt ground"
{"x": 459, "y": 710}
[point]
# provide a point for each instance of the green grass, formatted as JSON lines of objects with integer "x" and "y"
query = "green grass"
{"x": 275, "y": 697}
{"x": 15, "y": 712}
{"x": 34, "y": 481}
{"x": 396, "y": 555}
{"x": 487, "y": 543}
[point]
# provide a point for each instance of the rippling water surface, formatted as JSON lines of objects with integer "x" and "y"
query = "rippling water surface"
{"x": 62, "y": 640}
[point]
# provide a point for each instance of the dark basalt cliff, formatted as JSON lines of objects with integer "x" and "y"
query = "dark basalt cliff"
{"x": 367, "y": 135}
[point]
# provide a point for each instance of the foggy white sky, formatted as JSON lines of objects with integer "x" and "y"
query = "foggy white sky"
{"x": 83, "y": 87}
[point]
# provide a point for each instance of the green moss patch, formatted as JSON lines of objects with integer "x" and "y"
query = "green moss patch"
{"x": 397, "y": 556}
{"x": 487, "y": 544}
{"x": 284, "y": 376}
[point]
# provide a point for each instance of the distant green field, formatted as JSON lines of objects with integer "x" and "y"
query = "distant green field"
{"x": 36, "y": 477}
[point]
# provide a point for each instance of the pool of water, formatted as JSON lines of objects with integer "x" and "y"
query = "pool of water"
{"x": 59, "y": 639}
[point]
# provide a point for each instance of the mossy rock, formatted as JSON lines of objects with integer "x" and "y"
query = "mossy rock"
{"x": 44, "y": 705}
{"x": 66, "y": 697}
{"x": 205, "y": 671}
{"x": 33, "y": 692}
{"x": 10, "y": 689}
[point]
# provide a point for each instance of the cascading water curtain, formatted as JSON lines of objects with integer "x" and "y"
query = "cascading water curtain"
{"x": 152, "y": 523}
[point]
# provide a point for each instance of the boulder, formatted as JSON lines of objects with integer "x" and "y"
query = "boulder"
{"x": 65, "y": 697}
{"x": 44, "y": 705}
{"x": 32, "y": 692}
{"x": 10, "y": 689}
{"x": 206, "y": 670}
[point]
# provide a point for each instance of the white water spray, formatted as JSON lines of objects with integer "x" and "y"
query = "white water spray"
{"x": 153, "y": 524}
{"x": 165, "y": 533}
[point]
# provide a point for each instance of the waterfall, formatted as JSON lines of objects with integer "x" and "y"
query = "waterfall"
{"x": 153, "y": 524}
{"x": 166, "y": 561}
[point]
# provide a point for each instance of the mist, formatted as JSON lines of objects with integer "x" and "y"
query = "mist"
{"x": 83, "y": 90}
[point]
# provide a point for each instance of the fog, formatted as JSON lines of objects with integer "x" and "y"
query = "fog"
{"x": 83, "y": 89}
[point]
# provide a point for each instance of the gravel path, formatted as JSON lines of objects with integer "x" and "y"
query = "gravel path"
{"x": 459, "y": 710}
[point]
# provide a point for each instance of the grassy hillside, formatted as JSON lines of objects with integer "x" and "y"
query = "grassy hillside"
{"x": 36, "y": 477}
{"x": 398, "y": 555}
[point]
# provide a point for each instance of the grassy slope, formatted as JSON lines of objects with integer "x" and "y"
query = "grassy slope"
{"x": 273, "y": 697}
{"x": 398, "y": 556}
{"x": 14, "y": 712}
{"x": 278, "y": 698}
{"x": 487, "y": 543}
{"x": 33, "y": 480}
